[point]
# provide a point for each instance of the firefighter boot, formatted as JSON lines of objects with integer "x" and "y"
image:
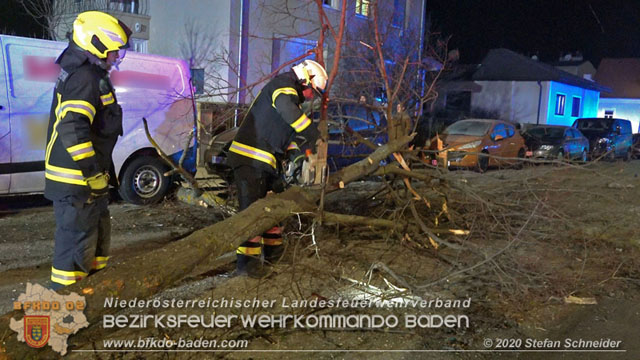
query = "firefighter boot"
{"x": 250, "y": 266}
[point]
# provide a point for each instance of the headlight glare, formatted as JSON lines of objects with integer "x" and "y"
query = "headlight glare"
{"x": 470, "y": 145}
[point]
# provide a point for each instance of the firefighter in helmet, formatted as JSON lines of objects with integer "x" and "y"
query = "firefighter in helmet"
{"x": 266, "y": 137}
{"x": 84, "y": 124}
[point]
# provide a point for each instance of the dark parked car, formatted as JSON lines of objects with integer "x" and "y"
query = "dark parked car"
{"x": 608, "y": 137}
{"x": 366, "y": 121}
{"x": 556, "y": 142}
{"x": 343, "y": 150}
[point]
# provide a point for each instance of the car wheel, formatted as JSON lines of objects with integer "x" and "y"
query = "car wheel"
{"x": 611, "y": 155}
{"x": 143, "y": 181}
{"x": 628, "y": 155}
{"x": 560, "y": 157}
{"x": 483, "y": 162}
{"x": 583, "y": 156}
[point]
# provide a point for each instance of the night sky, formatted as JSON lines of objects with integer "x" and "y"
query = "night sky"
{"x": 15, "y": 21}
{"x": 597, "y": 28}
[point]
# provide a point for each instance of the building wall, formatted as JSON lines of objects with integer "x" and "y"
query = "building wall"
{"x": 514, "y": 100}
{"x": 518, "y": 101}
{"x": 588, "y": 107}
{"x": 622, "y": 108}
{"x": 271, "y": 36}
{"x": 275, "y": 35}
{"x": 193, "y": 30}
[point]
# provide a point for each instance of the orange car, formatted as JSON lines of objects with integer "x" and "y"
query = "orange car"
{"x": 479, "y": 143}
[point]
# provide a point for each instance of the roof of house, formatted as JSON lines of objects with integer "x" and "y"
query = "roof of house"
{"x": 506, "y": 65}
{"x": 621, "y": 75}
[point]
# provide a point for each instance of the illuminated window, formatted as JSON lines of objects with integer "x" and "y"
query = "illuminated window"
{"x": 362, "y": 7}
{"x": 560, "y": 100}
{"x": 575, "y": 107}
{"x": 332, "y": 3}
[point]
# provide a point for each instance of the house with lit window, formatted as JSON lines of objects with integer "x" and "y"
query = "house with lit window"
{"x": 517, "y": 88}
{"x": 623, "y": 102}
{"x": 232, "y": 44}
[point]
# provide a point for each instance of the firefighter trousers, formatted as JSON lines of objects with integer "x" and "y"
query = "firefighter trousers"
{"x": 82, "y": 238}
{"x": 253, "y": 184}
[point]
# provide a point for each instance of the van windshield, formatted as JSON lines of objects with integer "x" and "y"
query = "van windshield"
{"x": 468, "y": 127}
{"x": 595, "y": 124}
{"x": 546, "y": 132}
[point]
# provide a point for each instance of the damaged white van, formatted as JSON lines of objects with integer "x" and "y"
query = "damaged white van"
{"x": 155, "y": 87}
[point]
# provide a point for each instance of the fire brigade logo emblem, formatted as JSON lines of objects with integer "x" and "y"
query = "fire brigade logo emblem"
{"x": 49, "y": 318}
{"x": 36, "y": 332}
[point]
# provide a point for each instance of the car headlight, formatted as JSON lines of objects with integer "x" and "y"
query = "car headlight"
{"x": 546, "y": 147}
{"x": 470, "y": 145}
{"x": 603, "y": 141}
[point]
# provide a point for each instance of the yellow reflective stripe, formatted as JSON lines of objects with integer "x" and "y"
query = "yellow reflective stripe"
{"x": 64, "y": 179}
{"x": 100, "y": 262}
{"x": 293, "y": 146}
{"x": 83, "y": 156}
{"x": 69, "y": 176}
{"x": 249, "y": 250}
{"x": 254, "y": 153}
{"x": 107, "y": 99}
{"x": 302, "y": 123}
{"x": 66, "y": 277}
{"x": 54, "y": 133}
{"x": 79, "y": 106}
{"x": 272, "y": 242}
{"x": 81, "y": 151}
{"x": 63, "y": 281}
{"x": 64, "y": 170}
{"x": 84, "y": 145}
{"x": 278, "y": 92}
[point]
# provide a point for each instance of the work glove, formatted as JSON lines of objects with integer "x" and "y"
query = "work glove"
{"x": 99, "y": 185}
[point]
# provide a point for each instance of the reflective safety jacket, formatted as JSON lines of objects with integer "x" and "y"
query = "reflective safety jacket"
{"x": 84, "y": 124}
{"x": 273, "y": 122}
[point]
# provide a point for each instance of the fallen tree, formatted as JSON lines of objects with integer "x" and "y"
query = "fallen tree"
{"x": 148, "y": 274}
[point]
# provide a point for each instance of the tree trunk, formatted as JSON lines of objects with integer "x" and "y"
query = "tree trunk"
{"x": 150, "y": 273}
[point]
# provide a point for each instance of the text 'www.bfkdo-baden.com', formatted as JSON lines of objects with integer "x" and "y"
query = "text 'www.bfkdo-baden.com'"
{"x": 152, "y": 343}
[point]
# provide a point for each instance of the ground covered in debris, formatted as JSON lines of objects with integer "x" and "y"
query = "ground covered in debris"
{"x": 546, "y": 252}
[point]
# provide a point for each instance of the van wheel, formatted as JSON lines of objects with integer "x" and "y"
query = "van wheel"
{"x": 628, "y": 155}
{"x": 143, "y": 181}
{"x": 583, "y": 157}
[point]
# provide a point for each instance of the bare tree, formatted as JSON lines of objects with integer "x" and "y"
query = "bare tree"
{"x": 45, "y": 13}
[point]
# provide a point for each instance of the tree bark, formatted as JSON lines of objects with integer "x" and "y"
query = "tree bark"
{"x": 150, "y": 273}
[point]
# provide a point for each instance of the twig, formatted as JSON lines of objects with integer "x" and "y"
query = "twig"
{"x": 513, "y": 241}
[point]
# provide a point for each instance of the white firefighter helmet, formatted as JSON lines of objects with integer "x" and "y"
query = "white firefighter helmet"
{"x": 312, "y": 74}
